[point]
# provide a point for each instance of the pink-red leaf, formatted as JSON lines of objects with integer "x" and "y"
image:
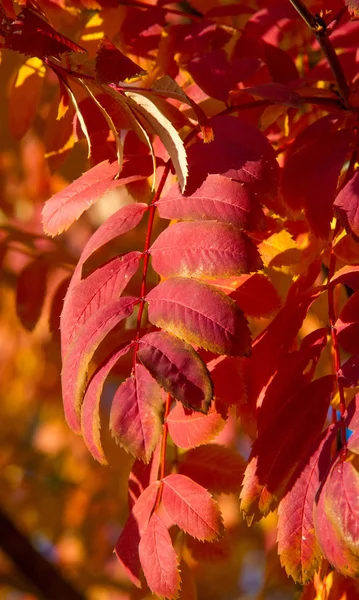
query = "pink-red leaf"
{"x": 204, "y": 250}
{"x": 199, "y": 314}
{"x": 159, "y": 560}
{"x": 336, "y": 518}
{"x": 191, "y": 507}
{"x": 189, "y": 429}
{"x": 119, "y": 223}
{"x": 214, "y": 467}
{"x": 218, "y": 198}
{"x": 127, "y": 544}
{"x": 274, "y": 458}
{"x": 142, "y": 475}
{"x": 346, "y": 204}
{"x": 98, "y": 289}
{"x": 60, "y": 212}
{"x": 81, "y": 351}
{"x": 298, "y": 547}
{"x": 136, "y": 414}
{"x": 177, "y": 368}
{"x": 63, "y": 209}
{"x": 90, "y": 410}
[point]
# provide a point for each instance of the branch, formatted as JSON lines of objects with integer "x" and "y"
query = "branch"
{"x": 44, "y": 576}
{"x": 319, "y": 29}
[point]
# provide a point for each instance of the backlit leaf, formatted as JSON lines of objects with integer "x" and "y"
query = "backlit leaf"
{"x": 191, "y": 507}
{"x": 177, "y": 368}
{"x": 159, "y": 560}
{"x": 90, "y": 410}
{"x": 298, "y": 547}
{"x": 218, "y": 198}
{"x": 112, "y": 66}
{"x": 122, "y": 221}
{"x": 314, "y": 162}
{"x": 199, "y": 314}
{"x": 347, "y": 325}
{"x": 240, "y": 152}
{"x": 126, "y": 548}
{"x": 81, "y": 351}
{"x": 136, "y": 414}
{"x": 274, "y": 458}
{"x": 215, "y": 467}
{"x": 189, "y": 428}
{"x": 257, "y": 296}
{"x": 166, "y": 132}
{"x": 335, "y": 517}
{"x": 348, "y": 275}
{"x": 28, "y": 84}
{"x": 60, "y": 212}
{"x": 204, "y": 250}
{"x": 91, "y": 294}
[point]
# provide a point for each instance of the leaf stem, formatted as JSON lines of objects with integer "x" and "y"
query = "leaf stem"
{"x": 146, "y": 256}
{"x": 162, "y": 467}
{"x": 335, "y": 344}
{"x": 319, "y": 29}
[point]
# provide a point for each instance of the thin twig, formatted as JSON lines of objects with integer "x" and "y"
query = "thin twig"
{"x": 319, "y": 29}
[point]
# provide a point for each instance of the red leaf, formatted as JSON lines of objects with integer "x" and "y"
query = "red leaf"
{"x": 218, "y": 198}
{"x": 298, "y": 547}
{"x": 200, "y": 315}
{"x": 112, "y": 66}
{"x": 348, "y": 275}
{"x": 274, "y": 458}
{"x": 90, "y": 410}
{"x": 81, "y": 351}
{"x": 127, "y": 544}
{"x": 117, "y": 224}
{"x": 215, "y": 467}
{"x": 142, "y": 475}
{"x": 347, "y": 325}
{"x": 63, "y": 209}
{"x": 336, "y": 518}
{"x": 177, "y": 368}
{"x": 257, "y": 296}
{"x": 136, "y": 414}
{"x": 294, "y": 371}
{"x": 277, "y": 339}
{"x": 159, "y": 560}
{"x": 239, "y": 151}
{"x": 346, "y": 205}
{"x": 30, "y": 292}
{"x": 314, "y": 162}
{"x": 30, "y": 34}
{"x": 191, "y": 507}
{"x": 204, "y": 250}
{"x": 89, "y": 295}
{"x": 228, "y": 381}
{"x": 188, "y": 429}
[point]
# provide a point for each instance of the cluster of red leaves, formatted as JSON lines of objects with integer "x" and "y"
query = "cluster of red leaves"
{"x": 248, "y": 201}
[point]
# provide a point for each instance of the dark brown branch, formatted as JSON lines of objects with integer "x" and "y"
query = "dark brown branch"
{"x": 319, "y": 29}
{"x": 43, "y": 576}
